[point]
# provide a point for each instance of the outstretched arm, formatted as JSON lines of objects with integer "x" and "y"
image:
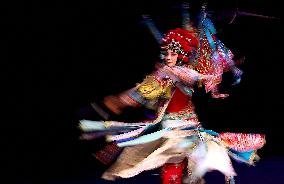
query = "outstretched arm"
{"x": 116, "y": 103}
{"x": 146, "y": 93}
{"x": 185, "y": 74}
{"x": 215, "y": 93}
{"x": 188, "y": 75}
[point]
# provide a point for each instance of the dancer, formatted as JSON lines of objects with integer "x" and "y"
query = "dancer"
{"x": 189, "y": 56}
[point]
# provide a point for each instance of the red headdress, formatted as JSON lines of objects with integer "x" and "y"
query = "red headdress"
{"x": 181, "y": 41}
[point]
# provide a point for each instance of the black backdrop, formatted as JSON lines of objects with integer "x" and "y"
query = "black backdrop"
{"x": 61, "y": 56}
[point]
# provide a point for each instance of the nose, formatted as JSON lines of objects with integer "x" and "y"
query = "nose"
{"x": 168, "y": 57}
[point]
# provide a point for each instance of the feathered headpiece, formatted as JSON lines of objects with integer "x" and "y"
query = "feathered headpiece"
{"x": 181, "y": 41}
{"x": 198, "y": 47}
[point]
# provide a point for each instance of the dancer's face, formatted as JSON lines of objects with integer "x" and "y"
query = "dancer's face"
{"x": 171, "y": 58}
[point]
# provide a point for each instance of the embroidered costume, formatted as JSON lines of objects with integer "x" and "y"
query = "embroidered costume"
{"x": 175, "y": 140}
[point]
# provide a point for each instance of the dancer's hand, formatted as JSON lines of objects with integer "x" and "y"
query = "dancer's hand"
{"x": 219, "y": 95}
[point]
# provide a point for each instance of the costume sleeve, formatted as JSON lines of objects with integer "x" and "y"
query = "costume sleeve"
{"x": 147, "y": 93}
{"x": 187, "y": 75}
{"x": 215, "y": 62}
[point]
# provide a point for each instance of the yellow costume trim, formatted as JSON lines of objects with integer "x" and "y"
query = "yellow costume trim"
{"x": 107, "y": 124}
{"x": 152, "y": 88}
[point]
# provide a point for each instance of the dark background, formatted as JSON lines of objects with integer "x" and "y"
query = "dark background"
{"x": 60, "y": 56}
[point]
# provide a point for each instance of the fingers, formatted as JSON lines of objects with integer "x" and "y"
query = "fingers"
{"x": 220, "y": 95}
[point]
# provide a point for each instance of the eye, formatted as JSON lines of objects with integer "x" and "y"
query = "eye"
{"x": 163, "y": 52}
{"x": 173, "y": 54}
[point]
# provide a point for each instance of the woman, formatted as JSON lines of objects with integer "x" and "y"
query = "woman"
{"x": 180, "y": 143}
